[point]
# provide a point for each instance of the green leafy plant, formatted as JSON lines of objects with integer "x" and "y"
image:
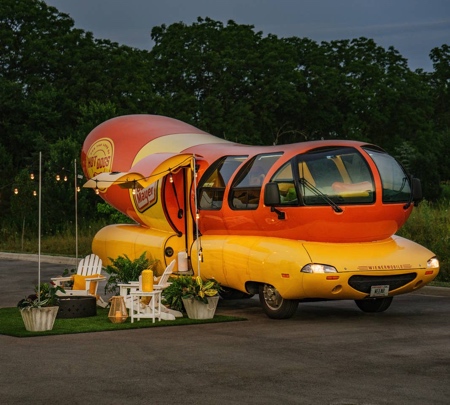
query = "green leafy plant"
{"x": 123, "y": 270}
{"x": 47, "y": 297}
{"x": 182, "y": 287}
{"x": 171, "y": 296}
{"x": 201, "y": 290}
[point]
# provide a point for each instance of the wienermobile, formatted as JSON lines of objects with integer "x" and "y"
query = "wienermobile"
{"x": 299, "y": 222}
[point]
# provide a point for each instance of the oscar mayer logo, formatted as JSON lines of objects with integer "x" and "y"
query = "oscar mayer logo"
{"x": 146, "y": 197}
{"x": 99, "y": 158}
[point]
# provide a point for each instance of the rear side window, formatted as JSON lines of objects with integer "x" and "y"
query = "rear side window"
{"x": 213, "y": 183}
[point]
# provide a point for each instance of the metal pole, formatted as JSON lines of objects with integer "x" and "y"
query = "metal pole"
{"x": 39, "y": 228}
{"x": 197, "y": 234}
{"x": 76, "y": 209}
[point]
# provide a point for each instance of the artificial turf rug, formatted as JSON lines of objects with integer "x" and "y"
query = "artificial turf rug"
{"x": 11, "y": 323}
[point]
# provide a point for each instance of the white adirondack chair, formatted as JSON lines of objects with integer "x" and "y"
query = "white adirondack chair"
{"x": 85, "y": 281}
{"x": 166, "y": 313}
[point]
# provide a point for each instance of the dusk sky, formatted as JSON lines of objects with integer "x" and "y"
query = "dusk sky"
{"x": 413, "y": 27}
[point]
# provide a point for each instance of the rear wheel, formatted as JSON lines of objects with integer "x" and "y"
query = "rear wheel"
{"x": 274, "y": 305}
{"x": 374, "y": 304}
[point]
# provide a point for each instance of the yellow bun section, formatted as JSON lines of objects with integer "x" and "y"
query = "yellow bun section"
{"x": 242, "y": 262}
{"x": 132, "y": 240}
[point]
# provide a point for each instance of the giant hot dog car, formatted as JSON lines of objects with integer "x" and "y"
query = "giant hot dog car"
{"x": 305, "y": 221}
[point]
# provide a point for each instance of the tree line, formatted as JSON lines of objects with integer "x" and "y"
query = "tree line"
{"x": 58, "y": 82}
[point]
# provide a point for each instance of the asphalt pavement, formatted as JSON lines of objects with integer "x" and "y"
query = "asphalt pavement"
{"x": 328, "y": 353}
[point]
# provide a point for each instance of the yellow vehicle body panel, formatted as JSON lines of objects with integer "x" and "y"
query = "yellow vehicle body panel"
{"x": 236, "y": 261}
{"x": 133, "y": 240}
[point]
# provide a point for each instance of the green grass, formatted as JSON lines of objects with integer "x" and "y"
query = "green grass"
{"x": 435, "y": 283}
{"x": 11, "y": 323}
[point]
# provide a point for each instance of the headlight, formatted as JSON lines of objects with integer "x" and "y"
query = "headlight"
{"x": 318, "y": 268}
{"x": 433, "y": 263}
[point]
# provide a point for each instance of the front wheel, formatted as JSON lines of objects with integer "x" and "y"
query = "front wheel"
{"x": 374, "y": 304}
{"x": 274, "y": 305}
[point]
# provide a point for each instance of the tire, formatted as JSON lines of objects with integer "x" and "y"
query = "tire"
{"x": 274, "y": 305}
{"x": 374, "y": 304}
{"x": 232, "y": 294}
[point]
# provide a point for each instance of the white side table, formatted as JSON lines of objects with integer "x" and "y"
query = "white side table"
{"x": 152, "y": 310}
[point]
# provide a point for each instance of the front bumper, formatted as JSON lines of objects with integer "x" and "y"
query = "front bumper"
{"x": 355, "y": 286}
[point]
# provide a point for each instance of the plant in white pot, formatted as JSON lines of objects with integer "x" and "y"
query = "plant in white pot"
{"x": 39, "y": 310}
{"x": 200, "y": 298}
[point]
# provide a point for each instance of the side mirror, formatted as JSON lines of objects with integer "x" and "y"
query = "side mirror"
{"x": 417, "y": 195}
{"x": 272, "y": 198}
{"x": 271, "y": 194}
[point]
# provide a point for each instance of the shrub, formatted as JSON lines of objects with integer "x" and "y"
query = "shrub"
{"x": 123, "y": 270}
{"x": 429, "y": 225}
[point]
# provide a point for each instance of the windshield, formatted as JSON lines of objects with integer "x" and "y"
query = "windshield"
{"x": 395, "y": 181}
{"x": 335, "y": 176}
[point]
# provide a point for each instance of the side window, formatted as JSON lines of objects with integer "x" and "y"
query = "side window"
{"x": 396, "y": 187}
{"x": 285, "y": 180}
{"x": 213, "y": 183}
{"x": 246, "y": 190}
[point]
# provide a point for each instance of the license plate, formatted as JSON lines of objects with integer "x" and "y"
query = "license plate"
{"x": 379, "y": 291}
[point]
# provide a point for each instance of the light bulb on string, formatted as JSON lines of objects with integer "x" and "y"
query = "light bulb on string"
{"x": 78, "y": 188}
{"x": 35, "y": 193}
{"x": 16, "y": 191}
{"x": 65, "y": 178}
{"x": 57, "y": 177}
{"x": 32, "y": 176}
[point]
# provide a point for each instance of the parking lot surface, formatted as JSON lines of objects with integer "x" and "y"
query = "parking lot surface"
{"x": 328, "y": 353}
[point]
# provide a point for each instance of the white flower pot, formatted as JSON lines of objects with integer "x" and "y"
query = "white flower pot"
{"x": 198, "y": 310}
{"x": 39, "y": 319}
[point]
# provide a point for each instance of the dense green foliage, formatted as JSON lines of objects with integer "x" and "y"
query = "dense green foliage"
{"x": 123, "y": 270}
{"x": 58, "y": 82}
{"x": 429, "y": 225}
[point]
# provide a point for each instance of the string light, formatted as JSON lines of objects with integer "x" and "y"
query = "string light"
{"x": 170, "y": 177}
{"x": 78, "y": 188}
{"x": 35, "y": 193}
{"x": 65, "y": 178}
{"x": 16, "y": 191}
{"x": 32, "y": 176}
{"x": 57, "y": 177}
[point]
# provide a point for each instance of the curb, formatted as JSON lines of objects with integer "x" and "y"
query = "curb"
{"x": 35, "y": 258}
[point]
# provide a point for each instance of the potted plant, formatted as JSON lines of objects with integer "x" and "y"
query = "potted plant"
{"x": 122, "y": 270}
{"x": 198, "y": 297}
{"x": 172, "y": 295}
{"x": 39, "y": 310}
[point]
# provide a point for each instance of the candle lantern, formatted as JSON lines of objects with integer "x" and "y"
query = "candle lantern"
{"x": 118, "y": 312}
